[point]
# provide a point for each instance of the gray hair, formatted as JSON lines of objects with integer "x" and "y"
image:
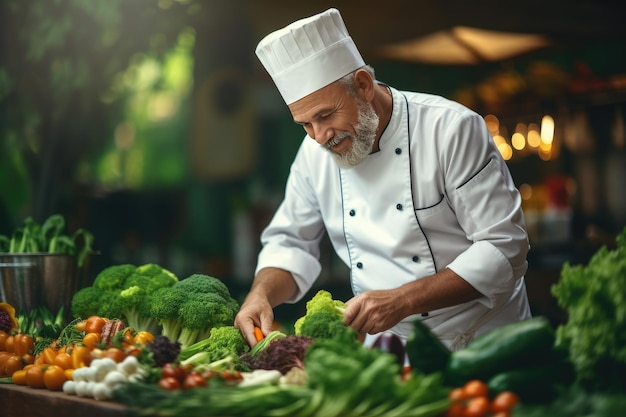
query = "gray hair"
{"x": 348, "y": 80}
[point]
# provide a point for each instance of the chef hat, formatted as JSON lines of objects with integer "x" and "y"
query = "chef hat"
{"x": 309, "y": 54}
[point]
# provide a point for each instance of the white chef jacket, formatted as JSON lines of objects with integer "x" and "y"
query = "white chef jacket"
{"x": 437, "y": 194}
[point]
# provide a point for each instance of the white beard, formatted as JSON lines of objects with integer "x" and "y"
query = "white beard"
{"x": 362, "y": 142}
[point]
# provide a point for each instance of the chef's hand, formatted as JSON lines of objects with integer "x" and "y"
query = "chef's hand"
{"x": 256, "y": 311}
{"x": 374, "y": 311}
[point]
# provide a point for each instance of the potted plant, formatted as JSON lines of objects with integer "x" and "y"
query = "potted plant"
{"x": 41, "y": 264}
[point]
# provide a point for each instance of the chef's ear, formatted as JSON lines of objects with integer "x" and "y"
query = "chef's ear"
{"x": 364, "y": 85}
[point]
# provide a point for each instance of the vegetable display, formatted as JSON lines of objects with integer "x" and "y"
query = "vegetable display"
{"x": 594, "y": 297}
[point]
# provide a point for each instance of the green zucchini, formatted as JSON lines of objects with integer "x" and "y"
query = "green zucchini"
{"x": 515, "y": 345}
{"x": 426, "y": 353}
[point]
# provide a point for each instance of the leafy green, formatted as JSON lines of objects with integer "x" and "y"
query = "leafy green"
{"x": 594, "y": 297}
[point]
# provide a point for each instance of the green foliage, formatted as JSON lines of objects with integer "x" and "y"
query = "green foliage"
{"x": 594, "y": 297}
{"x": 322, "y": 301}
{"x": 324, "y": 324}
{"x": 222, "y": 342}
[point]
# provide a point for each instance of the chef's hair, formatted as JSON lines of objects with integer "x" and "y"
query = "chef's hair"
{"x": 348, "y": 80}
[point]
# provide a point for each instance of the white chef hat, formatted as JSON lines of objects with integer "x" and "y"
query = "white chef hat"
{"x": 309, "y": 54}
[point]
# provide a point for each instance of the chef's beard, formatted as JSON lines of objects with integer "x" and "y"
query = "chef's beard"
{"x": 362, "y": 141}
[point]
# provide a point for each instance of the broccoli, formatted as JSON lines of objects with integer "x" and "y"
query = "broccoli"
{"x": 323, "y": 325}
{"x": 124, "y": 291}
{"x": 222, "y": 342}
{"x": 322, "y": 301}
{"x": 189, "y": 309}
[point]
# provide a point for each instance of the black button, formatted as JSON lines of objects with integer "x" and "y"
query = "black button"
{"x": 352, "y": 212}
{"x": 398, "y": 151}
{"x": 359, "y": 265}
{"x": 425, "y": 314}
{"x": 399, "y": 206}
{"x": 416, "y": 258}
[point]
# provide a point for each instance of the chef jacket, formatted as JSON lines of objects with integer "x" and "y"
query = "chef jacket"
{"x": 436, "y": 195}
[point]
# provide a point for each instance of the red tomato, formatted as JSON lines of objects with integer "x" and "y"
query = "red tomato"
{"x": 194, "y": 380}
{"x": 169, "y": 383}
{"x": 174, "y": 371}
{"x": 477, "y": 407}
{"x": 505, "y": 401}
{"x": 475, "y": 388}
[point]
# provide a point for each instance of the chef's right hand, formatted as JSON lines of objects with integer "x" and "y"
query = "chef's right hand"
{"x": 256, "y": 311}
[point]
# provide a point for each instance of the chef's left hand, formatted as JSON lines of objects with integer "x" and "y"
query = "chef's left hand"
{"x": 375, "y": 311}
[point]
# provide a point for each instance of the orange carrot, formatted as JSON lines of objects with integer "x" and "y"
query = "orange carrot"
{"x": 258, "y": 334}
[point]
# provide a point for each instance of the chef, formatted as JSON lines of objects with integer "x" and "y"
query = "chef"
{"x": 409, "y": 187}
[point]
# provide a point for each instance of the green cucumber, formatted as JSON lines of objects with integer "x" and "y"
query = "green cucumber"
{"x": 515, "y": 345}
{"x": 426, "y": 353}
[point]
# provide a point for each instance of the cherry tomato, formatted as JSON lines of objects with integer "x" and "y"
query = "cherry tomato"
{"x": 91, "y": 340}
{"x": 117, "y": 354}
{"x": 477, "y": 407}
{"x": 12, "y": 364}
{"x": 475, "y": 388}
{"x": 194, "y": 380}
{"x": 23, "y": 344}
{"x": 457, "y": 394}
{"x": 54, "y": 378}
{"x": 34, "y": 377}
{"x": 455, "y": 410}
{"x": 173, "y": 371}
{"x": 3, "y": 337}
{"x": 8, "y": 344}
{"x": 505, "y": 401}
{"x": 19, "y": 377}
{"x": 169, "y": 383}
{"x": 94, "y": 324}
{"x": 63, "y": 360}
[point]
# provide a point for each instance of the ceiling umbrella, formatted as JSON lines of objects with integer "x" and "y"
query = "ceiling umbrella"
{"x": 462, "y": 45}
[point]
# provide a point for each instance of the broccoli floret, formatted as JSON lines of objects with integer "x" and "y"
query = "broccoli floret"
{"x": 322, "y": 325}
{"x": 222, "y": 342}
{"x": 86, "y": 302}
{"x": 135, "y": 304}
{"x": 322, "y": 301}
{"x": 113, "y": 277}
{"x": 189, "y": 309}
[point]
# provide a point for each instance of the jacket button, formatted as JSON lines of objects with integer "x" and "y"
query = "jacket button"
{"x": 359, "y": 265}
{"x": 425, "y": 314}
{"x": 399, "y": 206}
{"x": 416, "y": 258}
{"x": 352, "y": 212}
{"x": 398, "y": 151}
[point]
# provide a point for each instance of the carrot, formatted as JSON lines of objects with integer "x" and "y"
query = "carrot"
{"x": 258, "y": 334}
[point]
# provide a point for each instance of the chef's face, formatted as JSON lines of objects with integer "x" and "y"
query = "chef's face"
{"x": 340, "y": 121}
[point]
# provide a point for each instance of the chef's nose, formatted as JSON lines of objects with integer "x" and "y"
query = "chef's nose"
{"x": 322, "y": 134}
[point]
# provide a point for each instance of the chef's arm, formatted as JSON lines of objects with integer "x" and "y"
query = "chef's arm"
{"x": 270, "y": 288}
{"x": 378, "y": 310}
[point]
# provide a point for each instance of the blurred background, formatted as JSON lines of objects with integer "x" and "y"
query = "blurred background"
{"x": 152, "y": 124}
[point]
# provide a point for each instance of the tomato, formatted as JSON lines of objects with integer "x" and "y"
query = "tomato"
{"x": 91, "y": 340}
{"x": 169, "y": 383}
{"x": 128, "y": 337}
{"x": 94, "y": 324}
{"x": 28, "y": 358}
{"x": 114, "y": 353}
{"x": 34, "y": 377}
{"x": 63, "y": 360}
{"x": 194, "y": 380}
{"x": 81, "y": 325}
{"x": 455, "y": 410}
{"x": 3, "y": 358}
{"x": 19, "y": 377}
{"x": 23, "y": 344}
{"x": 81, "y": 356}
{"x": 505, "y": 401}
{"x": 475, "y": 388}
{"x": 8, "y": 344}
{"x": 54, "y": 378}
{"x": 3, "y": 337}
{"x": 457, "y": 395}
{"x": 477, "y": 407}
{"x": 173, "y": 371}
{"x": 48, "y": 354}
{"x": 12, "y": 364}
{"x": 144, "y": 337}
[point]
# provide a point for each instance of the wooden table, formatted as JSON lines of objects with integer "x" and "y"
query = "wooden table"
{"x": 21, "y": 401}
